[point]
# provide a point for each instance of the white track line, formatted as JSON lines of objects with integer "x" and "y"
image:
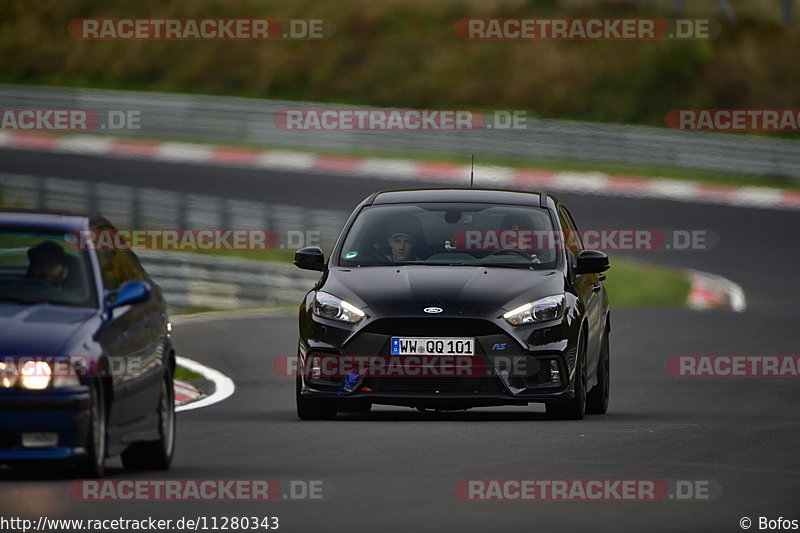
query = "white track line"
{"x": 223, "y": 384}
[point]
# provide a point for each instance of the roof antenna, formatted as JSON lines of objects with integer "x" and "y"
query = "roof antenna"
{"x": 472, "y": 172}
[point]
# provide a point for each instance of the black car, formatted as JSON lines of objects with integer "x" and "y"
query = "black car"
{"x": 489, "y": 292}
{"x": 86, "y": 357}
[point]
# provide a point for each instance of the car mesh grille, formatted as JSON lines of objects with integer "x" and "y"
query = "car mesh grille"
{"x": 430, "y": 385}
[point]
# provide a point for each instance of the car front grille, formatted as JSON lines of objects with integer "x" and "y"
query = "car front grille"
{"x": 432, "y": 385}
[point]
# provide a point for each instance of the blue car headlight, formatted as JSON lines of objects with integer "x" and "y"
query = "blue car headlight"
{"x": 8, "y": 374}
{"x": 542, "y": 310}
{"x": 33, "y": 374}
{"x": 329, "y": 306}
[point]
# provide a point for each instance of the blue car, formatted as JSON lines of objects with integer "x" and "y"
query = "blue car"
{"x": 86, "y": 356}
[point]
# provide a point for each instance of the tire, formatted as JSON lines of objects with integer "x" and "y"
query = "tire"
{"x": 574, "y": 408}
{"x": 597, "y": 399}
{"x": 308, "y": 409}
{"x": 93, "y": 465}
{"x": 157, "y": 454}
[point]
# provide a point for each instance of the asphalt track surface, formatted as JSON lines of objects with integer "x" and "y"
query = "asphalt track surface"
{"x": 396, "y": 469}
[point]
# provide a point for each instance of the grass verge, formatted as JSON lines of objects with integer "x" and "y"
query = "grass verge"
{"x": 638, "y": 284}
{"x": 184, "y": 374}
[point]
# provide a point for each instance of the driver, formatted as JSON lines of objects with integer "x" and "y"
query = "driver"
{"x": 402, "y": 245}
{"x": 517, "y": 223}
{"x": 47, "y": 263}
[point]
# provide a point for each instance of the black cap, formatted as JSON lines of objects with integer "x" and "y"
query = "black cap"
{"x": 46, "y": 248}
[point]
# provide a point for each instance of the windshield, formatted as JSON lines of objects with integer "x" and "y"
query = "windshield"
{"x": 450, "y": 234}
{"x": 43, "y": 267}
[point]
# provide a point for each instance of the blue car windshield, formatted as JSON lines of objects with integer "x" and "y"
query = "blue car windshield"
{"x": 43, "y": 267}
{"x": 458, "y": 234}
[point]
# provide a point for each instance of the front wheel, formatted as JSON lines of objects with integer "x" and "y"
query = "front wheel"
{"x": 574, "y": 408}
{"x": 597, "y": 399}
{"x": 308, "y": 409}
{"x": 93, "y": 465}
{"x": 156, "y": 455}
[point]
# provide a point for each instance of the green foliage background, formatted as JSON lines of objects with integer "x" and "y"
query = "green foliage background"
{"x": 406, "y": 53}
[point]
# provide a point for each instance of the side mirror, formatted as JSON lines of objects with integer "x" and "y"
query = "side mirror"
{"x": 131, "y": 292}
{"x": 592, "y": 262}
{"x": 310, "y": 258}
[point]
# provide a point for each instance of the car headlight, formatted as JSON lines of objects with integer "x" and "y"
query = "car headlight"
{"x": 35, "y": 375}
{"x": 549, "y": 308}
{"x": 8, "y": 374}
{"x": 329, "y": 306}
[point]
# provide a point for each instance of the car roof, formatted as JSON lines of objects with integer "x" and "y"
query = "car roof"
{"x": 491, "y": 196}
{"x": 42, "y": 218}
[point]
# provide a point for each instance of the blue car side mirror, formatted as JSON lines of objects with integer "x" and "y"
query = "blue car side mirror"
{"x": 131, "y": 292}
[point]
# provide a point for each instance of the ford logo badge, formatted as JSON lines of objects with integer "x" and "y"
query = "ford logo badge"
{"x": 433, "y": 310}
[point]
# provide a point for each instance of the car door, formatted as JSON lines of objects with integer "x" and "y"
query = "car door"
{"x": 131, "y": 338}
{"x": 588, "y": 288}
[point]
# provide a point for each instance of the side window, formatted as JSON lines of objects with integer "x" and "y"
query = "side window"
{"x": 111, "y": 269}
{"x": 117, "y": 267}
{"x": 571, "y": 235}
{"x": 133, "y": 268}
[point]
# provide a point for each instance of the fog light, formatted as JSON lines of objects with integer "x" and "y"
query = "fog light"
{"x": 316, "y": 367}
{"x": 555, "y": 375}
{"x": 41, "y": 439}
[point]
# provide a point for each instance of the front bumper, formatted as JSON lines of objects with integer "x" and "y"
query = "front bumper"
{"x": 65, "y": 412}
{"x": 531, "y": 363}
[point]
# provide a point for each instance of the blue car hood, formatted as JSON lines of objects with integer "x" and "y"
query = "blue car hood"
{"x": 38, "y": 329}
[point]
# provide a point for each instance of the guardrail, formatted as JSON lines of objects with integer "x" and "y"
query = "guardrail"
{"x": 230, "y": 119}
{"x": 190, "y": 280}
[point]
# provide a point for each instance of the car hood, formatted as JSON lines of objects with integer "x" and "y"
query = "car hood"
{"x": 494, "y": 287}
{"x": 38, "y": 329}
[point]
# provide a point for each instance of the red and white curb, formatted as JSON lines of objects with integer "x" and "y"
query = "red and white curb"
{"x": 185, "y": 393}
{"x": 451, "y": 174}
{"x": 223, "y": 387}
{"x": 710, "y": 291}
